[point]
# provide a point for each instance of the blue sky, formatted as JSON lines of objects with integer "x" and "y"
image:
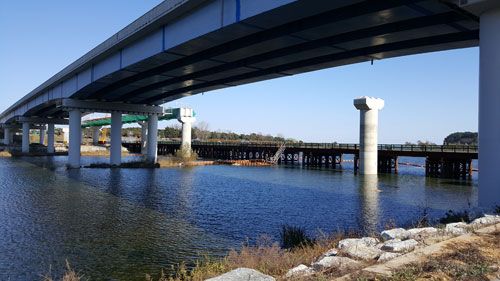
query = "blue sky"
{"x": 426, "y": 96}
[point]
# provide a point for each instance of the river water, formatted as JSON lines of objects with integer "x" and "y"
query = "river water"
{"x": 119, "y": 224}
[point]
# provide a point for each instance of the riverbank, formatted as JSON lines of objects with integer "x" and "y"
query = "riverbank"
{"x": 455, "y": 251}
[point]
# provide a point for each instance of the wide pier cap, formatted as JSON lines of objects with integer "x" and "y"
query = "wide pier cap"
{"x": 367, "y": 103}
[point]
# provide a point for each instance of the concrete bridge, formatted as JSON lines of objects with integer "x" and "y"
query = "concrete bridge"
{"x": 186, "y": 47}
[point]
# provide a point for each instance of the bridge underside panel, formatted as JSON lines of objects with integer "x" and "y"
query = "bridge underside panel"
{"x": 216, "y": 46}
{"x": 293, "y": 39}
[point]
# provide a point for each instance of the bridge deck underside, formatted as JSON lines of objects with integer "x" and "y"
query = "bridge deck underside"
{"x": 298, "y": 37}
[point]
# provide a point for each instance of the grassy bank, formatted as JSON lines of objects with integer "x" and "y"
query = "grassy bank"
{"x": 475, "y": 258}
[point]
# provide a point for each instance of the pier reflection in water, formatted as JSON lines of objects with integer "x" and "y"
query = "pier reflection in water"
{"x": 368, "y": 191}
{"x": 123, "y": 223}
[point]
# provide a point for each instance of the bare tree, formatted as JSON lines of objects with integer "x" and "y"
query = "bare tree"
{"x": 202, "y": 130}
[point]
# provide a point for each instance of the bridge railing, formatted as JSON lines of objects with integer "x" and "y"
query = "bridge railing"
{"x": 345, "y": 146}
{"x": 430, "y": 148}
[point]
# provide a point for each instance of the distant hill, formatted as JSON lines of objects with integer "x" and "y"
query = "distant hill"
{"x": 461, "y": 138}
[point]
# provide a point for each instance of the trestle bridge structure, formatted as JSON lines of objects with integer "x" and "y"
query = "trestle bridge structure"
{"x": 450, "y": 161}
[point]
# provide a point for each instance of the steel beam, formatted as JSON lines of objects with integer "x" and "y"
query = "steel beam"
{"x": 40, "y": 120}
{"x": 362, "y": 52}
{"x": 108, "y": 107}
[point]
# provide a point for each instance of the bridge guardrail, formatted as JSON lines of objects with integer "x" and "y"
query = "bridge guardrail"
{"x": 347, "y": 146}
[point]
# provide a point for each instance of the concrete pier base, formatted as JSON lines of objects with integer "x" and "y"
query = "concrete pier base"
{"x": 368, "y": 133}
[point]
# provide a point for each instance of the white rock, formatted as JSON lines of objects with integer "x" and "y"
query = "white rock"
{"x": 388, "y": 256}
{"x": 486, "y": 220}
{"x": 380, "y": 245}
{"x": 365, "y": 241}
{"x": 361, "y": 252}
{"x": 299, "y": 270}
{"x": 400, "y": 233}
{"x": 457, "y": 228}
{"x": 422, "y": 232}
{"x": 331, "y": 252}
{"x": 341, "y": 263}
{"x": 399, "y": 246}
{"x": 242, "y": 274}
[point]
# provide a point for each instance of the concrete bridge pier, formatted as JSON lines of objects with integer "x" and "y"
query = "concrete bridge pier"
{"x": 75, "y": 134}
{"x": 489, "y": 102}
{"x": 75, "y": 107}
{"x": 96, "y": 133}
{"x": 152, "y": 143}
{"x": 144, "y": 136}
{"x": 6, "y": 136}
{"x": 368, "y": 133}
{"x": 42, "y": 134}
{"x": 50, "y": 138}
{"x": 187, "y": 119}
{"x": 116, "y": 139}
{"x": 26, "y": 138}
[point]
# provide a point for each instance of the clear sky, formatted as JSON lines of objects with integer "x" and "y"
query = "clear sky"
{"x": 426, "y": 96}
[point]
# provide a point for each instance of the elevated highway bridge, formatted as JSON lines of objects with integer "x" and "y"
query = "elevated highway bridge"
{"x": 186, "y": 47}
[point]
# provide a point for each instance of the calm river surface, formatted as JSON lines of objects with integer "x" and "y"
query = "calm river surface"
{"x": 118, "y": 224}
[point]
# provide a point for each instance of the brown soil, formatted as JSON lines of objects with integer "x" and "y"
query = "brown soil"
{"x": 476, "y": 258}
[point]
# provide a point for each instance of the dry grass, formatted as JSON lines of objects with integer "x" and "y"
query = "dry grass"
{"x": 265, "y": 256}
{"x": 183, "y": 157}
{"x": 472, "y": 261}
{"x": 70, "y": 275}
{"x": 5, "y": 153}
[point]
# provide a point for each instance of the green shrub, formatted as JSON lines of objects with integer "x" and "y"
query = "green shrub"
{"x": 294, "y": 237}
{"x": 452, "y": 216}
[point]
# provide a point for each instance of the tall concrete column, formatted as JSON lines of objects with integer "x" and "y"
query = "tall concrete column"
{"x": 186, "y": 133}
{"x": 368, "y": 133}
{"x": 144, "y": 136}
{"x": 186, "y": 118}
{"x": 6, "y": 136}
{"x": 96, "y": 133}
{"x": 152, "y": 144}
{"x": 75, "y": 135}
{"x": 489, "y": 103}
{"x": 116, "y": 138}
{"x": 26, "y": 138}
{"x": 50, "y": 139}
{"x": 42, "y": 135}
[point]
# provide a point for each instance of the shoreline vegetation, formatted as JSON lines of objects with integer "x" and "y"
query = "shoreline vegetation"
{"x": 466, "y": 252}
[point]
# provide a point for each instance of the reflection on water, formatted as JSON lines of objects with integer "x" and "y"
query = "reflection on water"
{"x": 123, "y": 223}
{"x": 368, "y": 191}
